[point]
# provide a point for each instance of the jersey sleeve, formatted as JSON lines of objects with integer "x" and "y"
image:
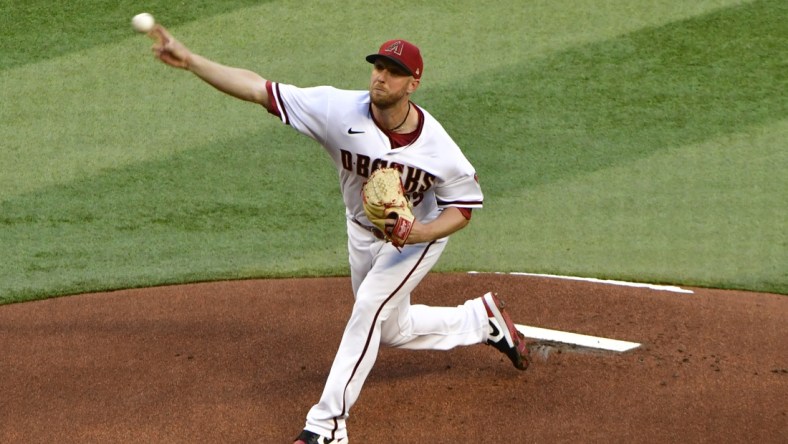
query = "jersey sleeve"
{"x": 305, "y": 109}
{"x": 456, "y": 182}
{"x": 461, "y": 190}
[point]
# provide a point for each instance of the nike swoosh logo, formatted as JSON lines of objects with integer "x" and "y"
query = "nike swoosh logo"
{"x": 352, "y": 131}
{"x": 495, "y": 334}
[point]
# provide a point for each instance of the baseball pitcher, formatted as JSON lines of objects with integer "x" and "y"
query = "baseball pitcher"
{"x": 406, "y": 186}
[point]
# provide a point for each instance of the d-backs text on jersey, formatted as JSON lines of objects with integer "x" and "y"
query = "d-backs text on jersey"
{"x": 415, "y": 180}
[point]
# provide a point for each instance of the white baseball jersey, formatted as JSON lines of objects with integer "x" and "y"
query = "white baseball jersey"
{"x": 435, "y": 173}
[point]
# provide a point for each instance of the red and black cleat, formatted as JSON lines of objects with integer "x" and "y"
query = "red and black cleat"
{"x": 503, "y": 334}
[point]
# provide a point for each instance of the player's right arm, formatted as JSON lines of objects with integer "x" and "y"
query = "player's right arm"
{"x": 236, "y": 82}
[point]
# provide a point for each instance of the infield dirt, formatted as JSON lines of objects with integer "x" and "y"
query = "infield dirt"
{"x": 238, "y": 362}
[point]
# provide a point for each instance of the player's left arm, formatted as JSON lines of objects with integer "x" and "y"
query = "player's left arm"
{"x": 450, "y": 221}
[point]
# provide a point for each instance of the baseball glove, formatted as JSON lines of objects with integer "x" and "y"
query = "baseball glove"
{"x": 386, "y": 205}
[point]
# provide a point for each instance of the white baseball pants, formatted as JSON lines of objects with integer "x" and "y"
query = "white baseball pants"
{"x": 383, "y": 279}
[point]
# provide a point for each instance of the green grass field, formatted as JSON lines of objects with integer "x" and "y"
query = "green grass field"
{"x": 645, "y": 142}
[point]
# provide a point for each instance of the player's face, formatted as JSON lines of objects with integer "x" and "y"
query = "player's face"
{"x": 390, "y": 84}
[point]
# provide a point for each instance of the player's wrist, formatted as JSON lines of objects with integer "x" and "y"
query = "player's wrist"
{"x": 192, "y": 62}
{"x": 419, "y": 233}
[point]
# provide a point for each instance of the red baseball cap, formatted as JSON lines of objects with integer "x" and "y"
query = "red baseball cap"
{"x": 403, "y": 53}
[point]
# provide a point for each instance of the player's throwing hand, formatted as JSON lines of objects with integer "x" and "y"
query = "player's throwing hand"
{"x": 169, "y": 50}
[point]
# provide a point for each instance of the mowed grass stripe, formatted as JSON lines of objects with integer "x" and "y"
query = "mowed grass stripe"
{"x": 601, "y": 104}
{"x": 227, "y": 210}
{"x": 111, "y": 106}
{"x": 705, "y": 214}
{"x": 36, "y": 30}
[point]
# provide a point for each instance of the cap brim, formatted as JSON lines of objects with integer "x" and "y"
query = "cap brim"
{"x": 372, "y": 57}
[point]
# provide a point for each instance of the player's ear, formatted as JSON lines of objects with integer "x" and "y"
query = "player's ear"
{"x": 414, "y": 85}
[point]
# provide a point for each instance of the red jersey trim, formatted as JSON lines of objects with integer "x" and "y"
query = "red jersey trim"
{"x": 271, "y": 99}
{"x": 399, "y": 140}
{"x": 275, "y": 105}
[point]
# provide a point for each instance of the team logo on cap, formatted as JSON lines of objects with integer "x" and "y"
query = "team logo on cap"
{"x": 395, "y": 47}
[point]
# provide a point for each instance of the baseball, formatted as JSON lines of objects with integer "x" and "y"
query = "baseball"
{"x": 143, "y": 22}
